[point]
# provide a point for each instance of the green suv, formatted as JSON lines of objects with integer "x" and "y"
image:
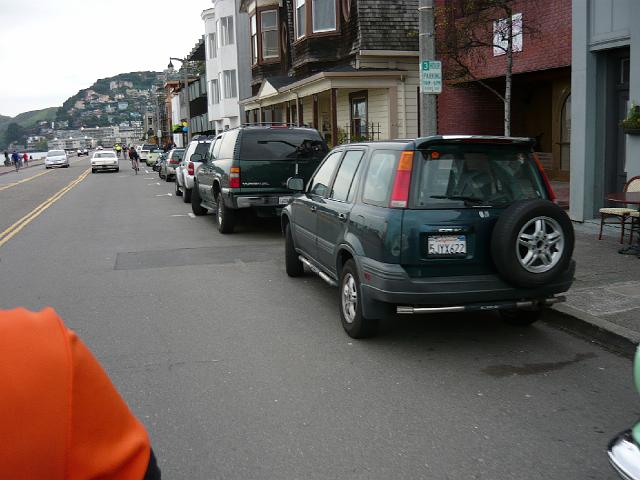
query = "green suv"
{"x": 247, "y": 169}
{"x": 437, "y": 224}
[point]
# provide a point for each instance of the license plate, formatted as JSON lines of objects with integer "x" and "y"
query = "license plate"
{"x": 284, "y": 200}
{"x": 447, "y": 245}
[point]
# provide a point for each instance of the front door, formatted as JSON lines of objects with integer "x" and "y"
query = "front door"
{"x": 333, "y": 213}
{"x": 614, "y": 172}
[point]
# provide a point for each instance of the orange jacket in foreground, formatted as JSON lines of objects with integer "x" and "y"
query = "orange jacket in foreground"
{"x": 61, "y": 418}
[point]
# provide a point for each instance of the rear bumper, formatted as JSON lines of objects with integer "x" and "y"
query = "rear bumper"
{"x": 188, "y": 181}
{"x": 624, "y": 456}
{"x": 389, "y": 283}
{"x": 272, "y": 201}
{"x": 105, "y": 167}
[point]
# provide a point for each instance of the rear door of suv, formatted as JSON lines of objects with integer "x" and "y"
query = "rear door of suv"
{"x": 458, "y": 191}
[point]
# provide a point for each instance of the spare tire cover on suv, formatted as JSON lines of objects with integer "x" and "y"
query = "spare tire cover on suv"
{"x": 532, "y": 243}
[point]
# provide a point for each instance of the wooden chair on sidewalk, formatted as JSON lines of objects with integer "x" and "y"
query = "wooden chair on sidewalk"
{"x": 623, "y": 216}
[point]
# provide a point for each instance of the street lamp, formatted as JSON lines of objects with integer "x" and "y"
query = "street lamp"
{"x": 185, "y": 77}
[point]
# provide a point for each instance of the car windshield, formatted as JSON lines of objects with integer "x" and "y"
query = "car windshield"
{"x": 453, "y": 175}
{"x": 55, "y": 153}
{"x": 105, "y": 155}
{"x": 177, "y": 154}
{"x": 270, "y": 144}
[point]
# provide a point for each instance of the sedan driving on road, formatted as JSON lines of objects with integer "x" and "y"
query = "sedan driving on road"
{"x": 104, "y": 160}
{"x": 56, "y": 158}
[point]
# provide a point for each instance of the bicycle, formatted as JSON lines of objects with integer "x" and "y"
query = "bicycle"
{"x": 135, "y": 164}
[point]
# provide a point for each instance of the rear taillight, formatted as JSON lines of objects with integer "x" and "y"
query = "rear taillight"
{"x": 190, "y": 169}
{"x": 402, "y": 182}
{"x": 234, "y": 177}
{"x": 547, "y": 184}
{"x": 174, "y": 162}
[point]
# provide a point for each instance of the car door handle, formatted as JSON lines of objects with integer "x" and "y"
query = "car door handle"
{"x": 342, "y": 217}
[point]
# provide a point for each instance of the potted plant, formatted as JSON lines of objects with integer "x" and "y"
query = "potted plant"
{"x": 631, "y": 124}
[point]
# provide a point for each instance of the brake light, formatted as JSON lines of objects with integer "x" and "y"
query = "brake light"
{"x": 190, "y": 169}
{"x": 547, "y": 184}
{"x": 174, "y": 161}
{"x": 402, "y": 182}
{"x": 234, "y": 177}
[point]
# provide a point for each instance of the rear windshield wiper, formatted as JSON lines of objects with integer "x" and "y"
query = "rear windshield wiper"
{"x": 459, "y": 197}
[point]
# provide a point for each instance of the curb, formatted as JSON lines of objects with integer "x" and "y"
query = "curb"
{"x": 613, "y": 337}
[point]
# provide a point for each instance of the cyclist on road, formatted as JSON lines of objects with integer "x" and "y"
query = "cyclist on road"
{"x": 133, "y": 155}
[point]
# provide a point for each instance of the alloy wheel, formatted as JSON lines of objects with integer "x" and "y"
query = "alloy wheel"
{"x": 540, "y": 244}
{"x": 349, "y": 298}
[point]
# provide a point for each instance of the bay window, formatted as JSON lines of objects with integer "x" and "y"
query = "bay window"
{"x": 301, "y": 18}
{"x": 213, "y": 46}
{"x": 226, "y": 31}
{"x": 269, "y": 32}
{"x": 324, "y": 15}
{"x": 215, "y": 92}
{"x": 254, "y": 40}
{"x": 230, "y": 90}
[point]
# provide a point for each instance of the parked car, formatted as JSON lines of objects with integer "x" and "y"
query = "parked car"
{"x": 162, "y": 161}
{"x": 191, "y": 162}
{"x": 153, "y": 155}
{"x": 247, "y": 169}
{"x": 437, "y": 224}
{"x": 168, "y": 167}
{"x": 83, "y": 151}
{"x": 104, "y": 160}
{"x": 56, "y": 158}
{"x": 144, "y": 151}
{"x": 624, "y": 449}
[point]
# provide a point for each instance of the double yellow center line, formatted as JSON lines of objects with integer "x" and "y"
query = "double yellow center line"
{"x": 14, "y": 229}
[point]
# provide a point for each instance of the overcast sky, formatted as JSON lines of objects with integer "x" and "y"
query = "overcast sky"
{"x": 51, "y": 49}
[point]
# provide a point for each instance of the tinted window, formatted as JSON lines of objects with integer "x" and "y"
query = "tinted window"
{"x": 202, "y": 148}
{"x": 455, "y": 175}
{"x": 346, "y": 175}
{"x": 215, "y": 148}
{"x": 228, "y": 144}
{"x": 379, "y": 179}
{"x": 285, "y": 144}
{"x": 322, "y": 178}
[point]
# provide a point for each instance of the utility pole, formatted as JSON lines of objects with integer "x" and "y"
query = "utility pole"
{"x": 428, "y": 103}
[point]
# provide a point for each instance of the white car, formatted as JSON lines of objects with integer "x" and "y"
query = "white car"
{"x": 104, "y": 160}
{"x": 56, "y": 158}
{"x": 186, "y": 170}
{"x": 144, "y": 151}
{"x": 83, "y": 151}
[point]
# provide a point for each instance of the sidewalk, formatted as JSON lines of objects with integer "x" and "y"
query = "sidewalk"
{"x": 605, "y": 296}
{"x": 34, "y": 163}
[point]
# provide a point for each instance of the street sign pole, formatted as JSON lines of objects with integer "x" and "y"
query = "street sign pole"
{"x": 428, "y": 99}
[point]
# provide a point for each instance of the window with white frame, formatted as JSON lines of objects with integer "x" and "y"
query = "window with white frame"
{"x": 301, "y": 18}
{"x": 213, "y": 45}
{"x": 269, "y": 32}
{"x": 254, "y": 40}
{"x": 229, "y": 83}
{"x": 226, "y": 31}
{"x": 323, "y": 15}
{"x": 501, "y": 35}
{"x": 215, "y": 92}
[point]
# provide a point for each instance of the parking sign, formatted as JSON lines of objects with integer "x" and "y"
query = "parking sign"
{"x": 431, "y": 76}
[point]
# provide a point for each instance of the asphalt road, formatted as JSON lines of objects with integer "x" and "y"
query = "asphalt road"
{"x": 240, "y": 372}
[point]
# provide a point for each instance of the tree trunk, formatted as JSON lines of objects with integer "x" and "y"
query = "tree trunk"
{"x": 507, "y": 79}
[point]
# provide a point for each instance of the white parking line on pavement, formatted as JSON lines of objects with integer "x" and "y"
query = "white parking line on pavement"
{"x": 165, "y": 195}
{"x": 149, "y": 178}
{"x": 191, "y": 214}
{"x": 180, "y": 215}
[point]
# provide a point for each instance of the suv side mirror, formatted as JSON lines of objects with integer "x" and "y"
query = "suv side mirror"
{"x": 295, "y": 183}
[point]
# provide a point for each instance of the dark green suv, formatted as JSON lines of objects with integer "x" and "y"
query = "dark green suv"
{"x": 247, "y": 169}
{"x": 437, "y": 224}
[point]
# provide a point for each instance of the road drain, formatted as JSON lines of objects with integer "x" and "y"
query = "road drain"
{"x": 198, "y": 256}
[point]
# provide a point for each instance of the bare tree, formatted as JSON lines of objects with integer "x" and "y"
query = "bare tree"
{"x": 471, "y": 30}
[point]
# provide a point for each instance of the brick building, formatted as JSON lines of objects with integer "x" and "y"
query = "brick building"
{"x": 541, "y": 83}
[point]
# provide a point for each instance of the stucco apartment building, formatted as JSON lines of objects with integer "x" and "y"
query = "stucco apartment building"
{"x": 541, "y": 103}
{"x": 347, "y": 68}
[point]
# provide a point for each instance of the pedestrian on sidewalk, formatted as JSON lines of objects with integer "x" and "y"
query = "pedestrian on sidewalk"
{"x": 25, "y": 159}
{"x": 16, "y": 160}
{"x": 7, "y": 162}
{"x": 61, "y": 416}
